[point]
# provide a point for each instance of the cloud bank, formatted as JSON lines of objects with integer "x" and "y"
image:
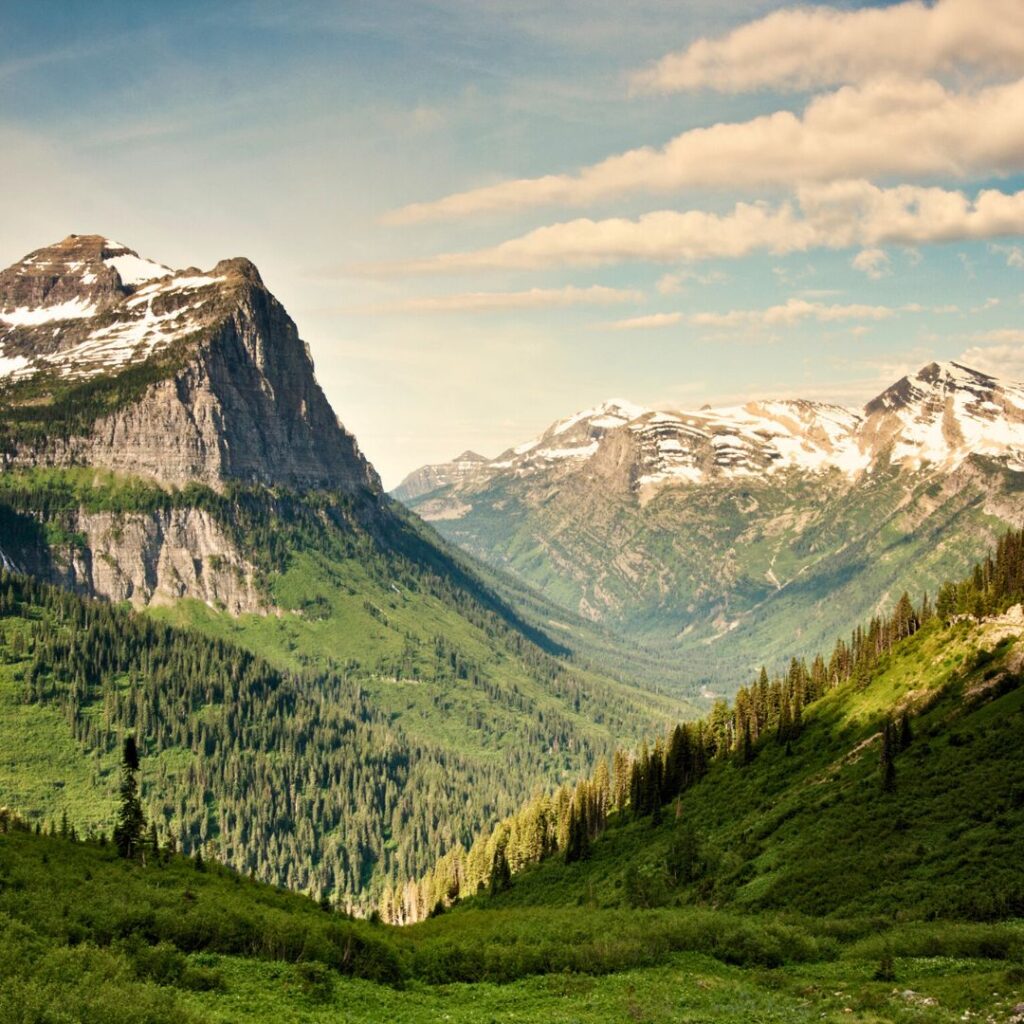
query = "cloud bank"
{"x": 838, "y": 215}
{"x": 927, "y": 131}
{"x": 805, "y": 48}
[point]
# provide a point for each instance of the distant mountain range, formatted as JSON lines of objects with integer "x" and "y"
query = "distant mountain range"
{"x": 749, "y": 532}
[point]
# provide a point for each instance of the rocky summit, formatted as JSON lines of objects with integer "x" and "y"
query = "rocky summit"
{"x": 109, "y": 359}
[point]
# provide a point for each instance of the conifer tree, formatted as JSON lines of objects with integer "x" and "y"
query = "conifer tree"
{"x": 747, "y": 745}
{"x": 906, "y": 733}
{"x": 130, "y": 821}
{"x": 887, "y": 761}
{"x": 501, "y": 873}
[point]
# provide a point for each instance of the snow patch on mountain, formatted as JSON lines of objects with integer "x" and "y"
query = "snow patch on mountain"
{"x": 134, "y": 269}
{"x": 25, "y": 316}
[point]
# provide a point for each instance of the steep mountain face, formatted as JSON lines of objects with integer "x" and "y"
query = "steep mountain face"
{"x": 193, "y": 376}
{"x": 752, "y": 532}
{"x": 112, "y": 361}
{"x": 430, "y": 478}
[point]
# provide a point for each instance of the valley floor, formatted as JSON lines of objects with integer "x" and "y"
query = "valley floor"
{"x": 688, "y": 988}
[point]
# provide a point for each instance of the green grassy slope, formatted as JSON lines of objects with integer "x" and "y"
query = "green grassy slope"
{"x": 807, "y": 829}
{"x": 87, "y": 937}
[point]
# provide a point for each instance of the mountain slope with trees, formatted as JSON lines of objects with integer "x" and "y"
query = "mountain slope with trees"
{"x": 728, "y": 537}
{"x": 325, "y": 693}
{"x": 885, "y": 779}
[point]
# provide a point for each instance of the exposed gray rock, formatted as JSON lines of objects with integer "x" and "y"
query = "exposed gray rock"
{"x": 158, "y": 558}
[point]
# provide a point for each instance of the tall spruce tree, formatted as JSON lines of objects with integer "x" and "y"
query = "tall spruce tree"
{"x": 887, "y": 760}
{"x": 501, "y": 873}
{"x": 130, "y": 821}
{"x": 906, "y": 733}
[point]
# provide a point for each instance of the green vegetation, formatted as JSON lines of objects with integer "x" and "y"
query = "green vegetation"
{"x": 726, "y": 576}
{"x": 88, "y": 936}
{"x": 764, "y": 864}
{"x": 767, "y": 767}
{"x": 394, "y": 709}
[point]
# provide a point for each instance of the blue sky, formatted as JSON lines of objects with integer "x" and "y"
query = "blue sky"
{"x": 437, "y": 192}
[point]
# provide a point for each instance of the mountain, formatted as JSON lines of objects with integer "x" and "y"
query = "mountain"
{"x": 430, "y": 478}
{"x": 326, "y": 693}
{"x": 735, "y": 535}
{"x": 176, "y": 378}
{"x": 786, "y": 881}
{"x": 88, "y": 328}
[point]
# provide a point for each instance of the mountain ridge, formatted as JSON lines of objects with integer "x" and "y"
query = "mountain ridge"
{"x": 727, "y": 537}
{"x": 678, "y": 447}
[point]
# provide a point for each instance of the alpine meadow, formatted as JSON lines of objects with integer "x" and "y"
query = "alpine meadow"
{"x": 703, "y": 704}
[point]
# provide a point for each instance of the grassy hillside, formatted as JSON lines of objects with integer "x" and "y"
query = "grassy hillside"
{"x": 86, "y": 936}
{"x": 806, "y": 827}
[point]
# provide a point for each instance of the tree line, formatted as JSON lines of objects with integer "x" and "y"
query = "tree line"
{"x": 294, "y": 777}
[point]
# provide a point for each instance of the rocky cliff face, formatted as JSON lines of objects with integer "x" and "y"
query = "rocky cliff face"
{"x": 113, "y": 361}
{"x": 158, "y": 558}
{"x": 215, "y": 383}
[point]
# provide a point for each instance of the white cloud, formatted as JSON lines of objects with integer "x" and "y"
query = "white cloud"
{"x": 891, "y": 126}
{"x": 651, "y": 320}
{"x": 873, "y": 262}
{"x": 1014, "y": 254}
{"x": 1000, "y": 353}
{"x": 792, "y": 312}
{"x": 534, "y": 298}
{"x": 802, "y": 48}
{"x": 671, "y": 284}
{"x": 1001, "y": 335}
{"x": 838, "y": 215}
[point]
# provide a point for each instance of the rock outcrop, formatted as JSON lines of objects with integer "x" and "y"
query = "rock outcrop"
{"x": 158, "y": 558}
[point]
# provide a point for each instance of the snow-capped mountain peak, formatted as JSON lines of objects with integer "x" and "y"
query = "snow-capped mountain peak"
{"x": 944, "y": 413}
{"x": 88, "y": 305}
{"x": 937, "y": 417}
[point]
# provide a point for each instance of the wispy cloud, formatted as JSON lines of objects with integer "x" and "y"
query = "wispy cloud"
{"x": 999, "y": 352}
{"x": 792, "y": 312}
{"x": 643, "y": 323}
{"x": 1014, "y": 254}
{"x": 670, "y": 284}
{"x": 872, "y": 262}
{"x": 533, "y": 298}
{"x": 807, "y": 47}
{"x": 928, "y": 130}
{"x": 837, "y": 215}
